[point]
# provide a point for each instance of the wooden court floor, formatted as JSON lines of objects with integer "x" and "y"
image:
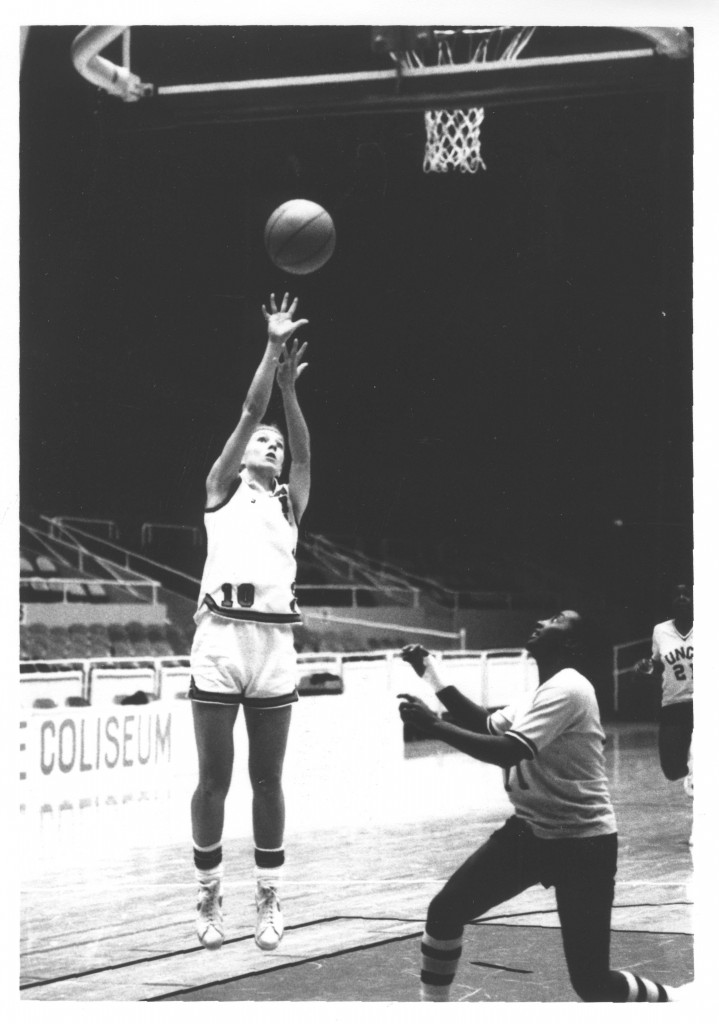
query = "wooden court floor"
{"x": 374, "y": 826}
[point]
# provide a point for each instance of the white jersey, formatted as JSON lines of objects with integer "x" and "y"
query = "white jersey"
{"x": 676, "y": 653}
{"x": 561, "y": 791}
{"x": 250, "y": 567}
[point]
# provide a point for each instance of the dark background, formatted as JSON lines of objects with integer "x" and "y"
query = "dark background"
{"x": 500, "y": 364}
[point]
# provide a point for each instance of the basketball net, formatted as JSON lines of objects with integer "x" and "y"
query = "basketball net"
{"x": 453, "y": 135}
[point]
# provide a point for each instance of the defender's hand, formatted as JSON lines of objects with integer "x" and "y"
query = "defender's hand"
{"x": 415, "y": 712}
{"x": 415, "y": 655}
{"x": 280, "y": 325}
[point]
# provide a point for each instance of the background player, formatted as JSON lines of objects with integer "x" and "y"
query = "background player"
{"x": 673, "y": 659}
{"x": 563, "y": 832}
{"x": 243, "y": 651}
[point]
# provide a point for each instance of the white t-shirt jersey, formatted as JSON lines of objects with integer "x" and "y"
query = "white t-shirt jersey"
{"x": 561, "y": 791}
{"x": 676, "y": 653}
{"x": 250, "y": 567}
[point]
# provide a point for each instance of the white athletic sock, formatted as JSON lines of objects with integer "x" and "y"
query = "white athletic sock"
{"x": 206, "y": 875}
{"x": 268, "y": 876}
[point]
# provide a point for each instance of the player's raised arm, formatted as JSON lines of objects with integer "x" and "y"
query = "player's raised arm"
{"x": 280, "y": 328}
{"x": 467, "y": 714}
{"x": 298, "y": 436}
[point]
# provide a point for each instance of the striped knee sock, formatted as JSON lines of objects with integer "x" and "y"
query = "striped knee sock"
{"x": 439, "y": 966}
{"x": 641, "y": 990}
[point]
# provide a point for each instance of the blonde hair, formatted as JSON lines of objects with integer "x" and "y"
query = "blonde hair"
{"x": 268, "y": 426}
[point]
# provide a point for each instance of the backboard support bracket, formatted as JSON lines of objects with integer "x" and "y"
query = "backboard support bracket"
{"x": 662, "y": 67}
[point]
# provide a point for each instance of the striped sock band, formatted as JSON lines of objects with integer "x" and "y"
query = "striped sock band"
{"x": 207, "y": 858}
{"x": 269, "y": 865}
{"x": 269, "y": 858}
{"x": 439, "y": 966}
{"x": 641, "y": 990}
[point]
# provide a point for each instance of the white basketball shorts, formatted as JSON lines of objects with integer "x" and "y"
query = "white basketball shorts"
{"x": 236, "y": 662}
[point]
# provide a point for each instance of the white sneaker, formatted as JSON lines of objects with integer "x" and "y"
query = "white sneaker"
{"x": 210, "y": 927}
{"x": 270, "y": 925}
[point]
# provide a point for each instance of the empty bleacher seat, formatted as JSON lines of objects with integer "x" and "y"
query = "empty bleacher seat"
{"x": 162, "y": 649}
{"x": 46, "y": 566}
{"x": 160, "y": 646}
{"x": 78, "y": 647}
{"x": 99, "y": 647}
{"x": 349, "y": 641}
{"x": 123, "y": 648}
{"x": 178, "y": 640}
{"x": 36, "y": 646}
{"x": 64, "y": 644}
{"x": 136, "y": 631}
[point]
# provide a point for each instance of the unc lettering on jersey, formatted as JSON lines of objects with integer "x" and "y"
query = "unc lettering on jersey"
{"x": 682, "y": 652}
{"x": 250, "y": 567}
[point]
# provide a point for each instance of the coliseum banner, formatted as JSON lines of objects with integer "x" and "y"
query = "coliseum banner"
{"x": 71, "y": 745}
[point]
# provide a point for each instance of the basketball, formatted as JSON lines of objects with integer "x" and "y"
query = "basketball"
{"x": 300, "y": 236}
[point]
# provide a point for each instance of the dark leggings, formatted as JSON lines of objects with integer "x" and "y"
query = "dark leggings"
{"x": 676, "y": 724}
{"x": 582, "y": 872}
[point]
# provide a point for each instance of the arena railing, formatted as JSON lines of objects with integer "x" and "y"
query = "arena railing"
{"x": 64, "y": 587}
{"x": 167, "y": 574}
{"x": 488, "y": 672}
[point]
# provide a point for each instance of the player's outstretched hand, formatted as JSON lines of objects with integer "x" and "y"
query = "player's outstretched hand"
{"x": 290, "y": 367}
{"x": 415, "y": 712}
{"x": 414, "y": 655}
{"x": 644, "y": 667}
{"x": 280, "y": 325}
